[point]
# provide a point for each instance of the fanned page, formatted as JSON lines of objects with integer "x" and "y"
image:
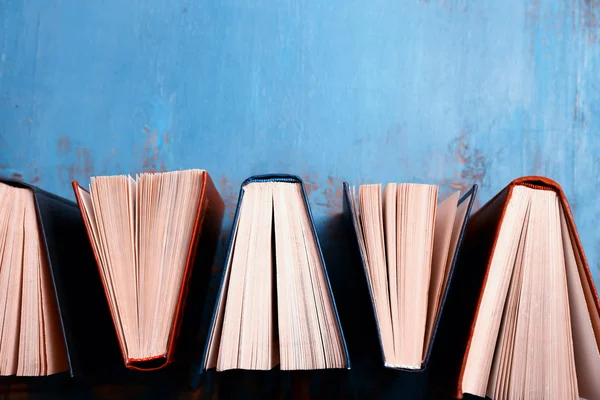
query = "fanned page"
{"x": 408, "y": 243}
{"x": 141, "y": 231}
{"x": 31, "y": 339}
{"x": 533, "y": 335}
{"x": 274, "y": 305}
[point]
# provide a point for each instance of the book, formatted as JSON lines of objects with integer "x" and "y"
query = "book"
{"x": 408, "y": 244}
{"x": 526, "y": 322}
{"x": 274, "y": 305}
{"x": 50, "y": 300}
{"x": 146, "y": 234}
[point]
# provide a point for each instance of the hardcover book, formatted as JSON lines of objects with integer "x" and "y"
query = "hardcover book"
{"x": 52, "y": 307}
{"x": 524, "y": 320}
{"x": 408, "y": 243}
{"x": 274, "y": 305}
{"x": 154, "y": 238}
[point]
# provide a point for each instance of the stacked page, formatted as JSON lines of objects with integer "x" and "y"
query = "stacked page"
{"x": 407, "y": 241}
{"x": 141, "y": 231}
{"x": 31, "y": 339}
{"x": 275, "y": 305}
{"x": 537, "y": 326}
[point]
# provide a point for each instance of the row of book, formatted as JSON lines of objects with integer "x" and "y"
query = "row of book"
{"x": 500, "y": 303}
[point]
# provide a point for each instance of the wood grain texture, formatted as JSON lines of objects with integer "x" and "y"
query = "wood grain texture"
{"x": 447, "y": 92}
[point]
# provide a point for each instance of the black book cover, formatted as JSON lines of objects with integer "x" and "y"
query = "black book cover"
{"x": 363, "y": 335}
{"x": 199, "y": 369}
{"x": 85, "y": 321}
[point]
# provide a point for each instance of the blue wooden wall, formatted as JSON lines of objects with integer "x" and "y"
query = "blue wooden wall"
{"x": 448, "y": 92}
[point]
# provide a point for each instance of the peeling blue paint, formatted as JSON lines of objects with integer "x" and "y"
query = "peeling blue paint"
{"x": 446, "y": 92}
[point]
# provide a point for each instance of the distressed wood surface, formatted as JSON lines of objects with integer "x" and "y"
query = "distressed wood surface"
{"x": 447, "y": 92}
